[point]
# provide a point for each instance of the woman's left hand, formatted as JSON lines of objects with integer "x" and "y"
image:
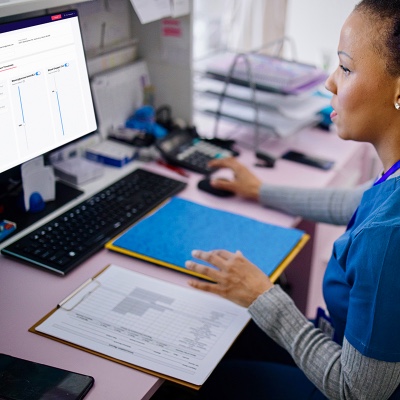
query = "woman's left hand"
{"x": 237, "y": 279}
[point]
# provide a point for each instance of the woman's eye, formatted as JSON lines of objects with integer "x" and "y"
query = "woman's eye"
{"x": 345, "y": 70}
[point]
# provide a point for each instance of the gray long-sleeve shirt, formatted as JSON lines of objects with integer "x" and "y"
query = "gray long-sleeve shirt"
{"x": 340, "y": 372}
{"x": 333, "y": 206}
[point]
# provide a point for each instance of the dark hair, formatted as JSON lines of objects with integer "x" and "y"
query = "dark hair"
{"x": 386, "y": 12}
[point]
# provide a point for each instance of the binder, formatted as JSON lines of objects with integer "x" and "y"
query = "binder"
{"x": 168, "y": 236}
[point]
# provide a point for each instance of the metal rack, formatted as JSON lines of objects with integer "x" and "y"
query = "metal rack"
{"x": 253, "y": 91}
{"x": 274, "y": 115}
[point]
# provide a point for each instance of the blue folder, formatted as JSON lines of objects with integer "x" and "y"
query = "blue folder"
{"x": 167, "y": 237}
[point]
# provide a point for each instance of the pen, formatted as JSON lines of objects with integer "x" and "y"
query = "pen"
{"x": 178, "y": 170}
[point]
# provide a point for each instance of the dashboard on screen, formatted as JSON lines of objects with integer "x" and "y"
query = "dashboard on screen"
{"x": 45, "y": 97}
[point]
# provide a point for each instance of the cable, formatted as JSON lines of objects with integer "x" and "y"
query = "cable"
{"x": 253, "y": 90}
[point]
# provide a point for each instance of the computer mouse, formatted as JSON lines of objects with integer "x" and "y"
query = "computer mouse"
{"x": 205, "y": 185}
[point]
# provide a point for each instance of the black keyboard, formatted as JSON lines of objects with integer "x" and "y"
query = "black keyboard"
{"x": 63, "y": 243}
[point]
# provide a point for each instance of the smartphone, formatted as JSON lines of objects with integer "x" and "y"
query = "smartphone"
{"x": 26, "y": 380}
{"x": 308, "y": 160}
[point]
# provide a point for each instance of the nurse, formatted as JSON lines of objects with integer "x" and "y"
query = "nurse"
{"x": 362, "y": 280}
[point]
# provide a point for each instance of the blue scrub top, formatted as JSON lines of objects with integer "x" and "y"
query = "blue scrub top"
{"x": 362, "y": 280}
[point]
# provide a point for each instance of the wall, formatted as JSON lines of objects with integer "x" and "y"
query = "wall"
{"x": 207, "y": 27}
{"x": 315, "y": 27}
{"x": 236, "y": 24}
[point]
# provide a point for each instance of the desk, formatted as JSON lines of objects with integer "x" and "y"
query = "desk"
{"x": 27, "y": 294}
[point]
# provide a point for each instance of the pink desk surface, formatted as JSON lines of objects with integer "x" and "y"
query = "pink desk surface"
{"x": 27, "y": 294}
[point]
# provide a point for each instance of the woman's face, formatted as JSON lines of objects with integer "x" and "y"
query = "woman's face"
{"x": 363, "y": 92}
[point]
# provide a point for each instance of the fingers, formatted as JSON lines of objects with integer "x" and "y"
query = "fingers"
{"x": 212, "y": 273}
{"x": 206, "y": 287}
{"x": 228, "y": 162}
{"x": 235, "y": 278}
{"x": 244, "y": 182}
{"x": 217, "y": 258}
{"x": 214, "y": 257}
{"x": 222, "y": 183}
{"x": 202, "y": 270}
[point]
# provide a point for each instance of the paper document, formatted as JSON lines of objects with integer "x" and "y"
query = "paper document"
{"x": 179, "y": 8}
{"x": 271, "y": 119}
{"x": 267, "y": 73}
{"x": 118, "y": 93}
{"x": 175, "y": 331}
{"x": 291, "y": 106}
{"x": 37, "y": 178}
{"x": 151, "y": 10}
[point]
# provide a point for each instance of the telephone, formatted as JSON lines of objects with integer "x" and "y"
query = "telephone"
{"x": 184, "y": 147}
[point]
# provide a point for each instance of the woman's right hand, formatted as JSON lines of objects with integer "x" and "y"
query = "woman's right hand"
{"x": 244, "y": 183}
{"x": 235, "y": 277}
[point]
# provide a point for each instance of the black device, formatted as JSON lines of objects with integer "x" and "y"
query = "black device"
{"x": 27, "y": 380}
{"x": 134, "y": 137}
{"x": 70, "y": 238}
{"x": 205, "y": 185}
{"x": 184, "y": 147}
{"x": 312, "y": 161}
{"x": 267, "y": 160}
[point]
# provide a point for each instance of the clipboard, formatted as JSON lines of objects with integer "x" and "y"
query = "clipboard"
{"x": 82, "y": 293}
{"x": 116, "y": 360}
{"x": 168, "y": 235}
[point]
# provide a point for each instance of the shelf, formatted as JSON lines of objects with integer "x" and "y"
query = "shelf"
{"x": 13, "y": 7}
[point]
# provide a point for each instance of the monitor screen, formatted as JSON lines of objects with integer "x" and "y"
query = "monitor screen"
{"x": 45, "y": 97}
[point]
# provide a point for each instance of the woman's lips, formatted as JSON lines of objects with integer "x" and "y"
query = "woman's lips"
{"x": 333, "y": 114}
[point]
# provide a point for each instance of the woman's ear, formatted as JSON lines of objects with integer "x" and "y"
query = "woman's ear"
{"x": 397, "y": 94}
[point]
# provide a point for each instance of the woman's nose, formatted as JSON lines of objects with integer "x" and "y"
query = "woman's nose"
{"x": 330, "y": 83}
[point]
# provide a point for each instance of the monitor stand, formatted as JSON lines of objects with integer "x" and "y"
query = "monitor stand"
{"x": 11, "y": 208}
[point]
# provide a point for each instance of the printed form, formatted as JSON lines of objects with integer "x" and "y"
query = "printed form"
{"x": 171, "y": 330}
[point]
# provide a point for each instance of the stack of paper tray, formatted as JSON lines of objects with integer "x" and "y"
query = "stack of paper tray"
{"x": 283, "y": 96}
{"x": 268, "y": 73}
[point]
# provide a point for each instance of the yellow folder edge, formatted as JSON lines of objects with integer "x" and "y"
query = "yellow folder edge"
{"x": 290, "y": 257}
{"x": 274, "y": 276}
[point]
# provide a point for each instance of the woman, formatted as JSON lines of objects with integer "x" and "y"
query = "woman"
{"x": 362, "y": 281}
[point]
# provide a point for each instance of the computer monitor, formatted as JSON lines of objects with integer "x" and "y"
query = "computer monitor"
{"x": 45, "y": 97}
{"x": 45, "y": 100}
